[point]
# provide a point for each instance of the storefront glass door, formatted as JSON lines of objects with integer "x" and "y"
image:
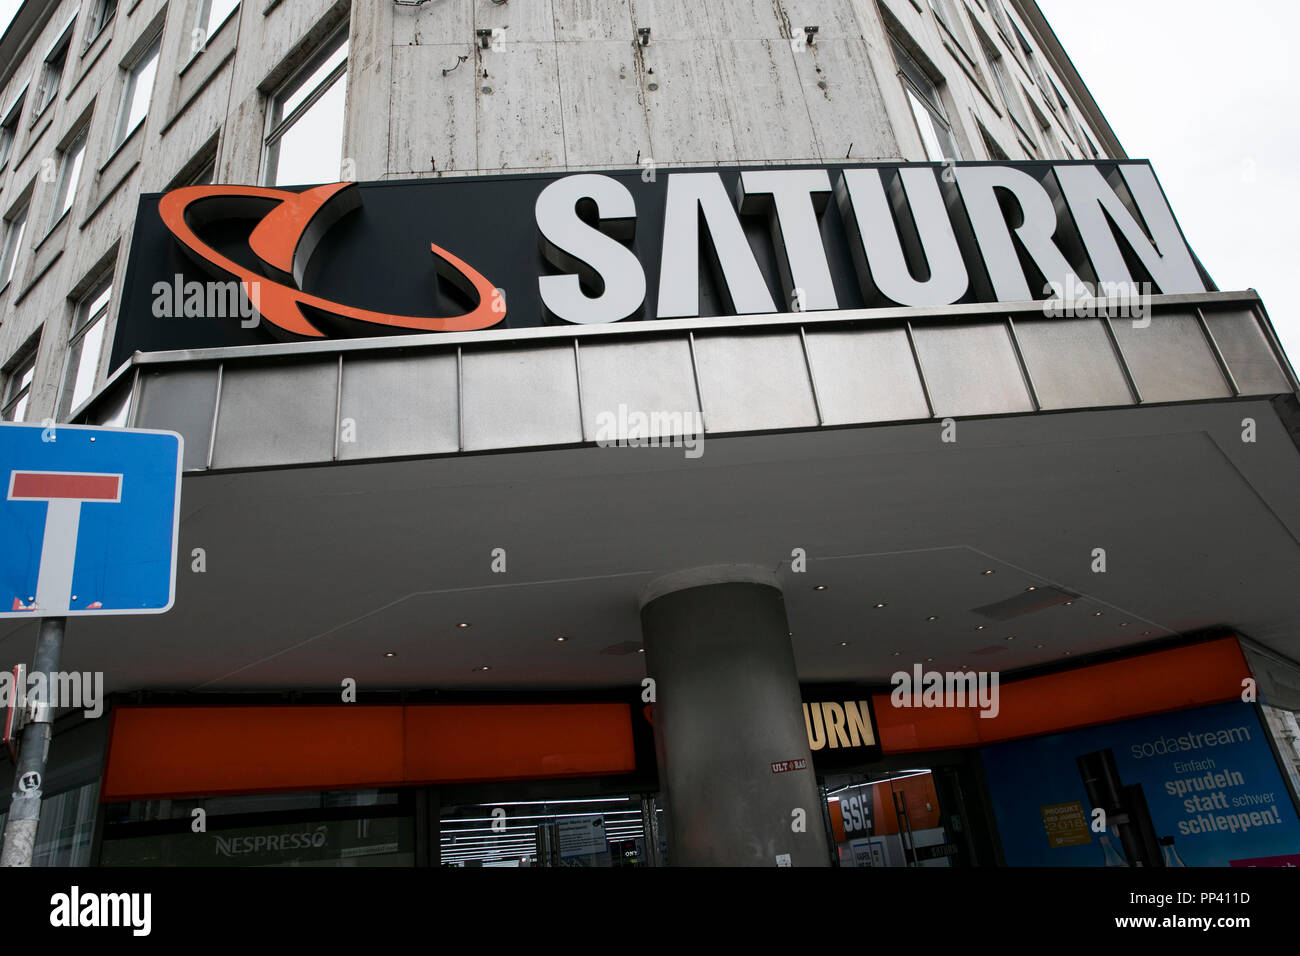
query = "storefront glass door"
{"x": 888, "y": 818}
{"x": 597, "y": 831}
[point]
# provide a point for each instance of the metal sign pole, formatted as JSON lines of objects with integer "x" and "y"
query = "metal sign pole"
{"x": 25, "y": 805}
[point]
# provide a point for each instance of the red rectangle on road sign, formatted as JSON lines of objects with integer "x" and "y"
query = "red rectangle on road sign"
{"x": 44, "y": 485}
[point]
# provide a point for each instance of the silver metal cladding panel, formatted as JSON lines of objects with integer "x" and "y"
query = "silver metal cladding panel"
{"x": 971, "y": 369}
{"x": 1071, "y": 363}
{"x": 180, "y": 400}
{"x": 1246, "y": 352}
{"x": 276, "y": 414}
{"x": 519, "y": 397}
{"x": 1170, "y": 360}
{"x": 403, "y": 405}
{"x": 754, "y": 382}
{"x": 647, "y": 376}
{"x": 865, "y": 375}
{"x": 115, "y": 408}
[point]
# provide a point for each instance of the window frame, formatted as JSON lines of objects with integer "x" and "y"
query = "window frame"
{"x": 87, "y": 314}
{"x": 10, "y": 125}
{"x": 94, "y": 29}
{"x": 276, "y": 128}
{"x": 22, "y": 363}
{"x": 1007, "y": 85}
{"x": 1001, "y": 19}
{"x": 949, "y": 17}
{"x": 11, "y": 244}
{"x": 61, "y": 48}
{"x": 930, "y": 101}
{"x": 67, "y": 183}
{"x": 1069, "y": 122}
{"x": 150, "y": 54}
{"x": 203, "y": 21}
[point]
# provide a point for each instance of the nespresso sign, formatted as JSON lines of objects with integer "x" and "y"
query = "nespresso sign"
{"x": 229, "y": 265}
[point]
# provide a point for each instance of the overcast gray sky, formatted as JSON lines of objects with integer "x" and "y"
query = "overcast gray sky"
{"x": 1206, "y": 91}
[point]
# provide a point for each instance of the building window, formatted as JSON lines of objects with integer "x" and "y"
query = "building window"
{"x": 136, "y": 94}
{"x": 305, "y": 139}
{"x": 1036, "y": 68}
{"x": 101, "y": 14}
{"x": 9, "y": 130}
{"x": 18, "y": 385}
{"x": 1001, "y": 19}
{"x": 945, "y": 11}
{"x": 84, "y": 347}
{"x": 991, "y": 146}
{"x": 927, "y": 109}
{"x": 1007, "y": 87}
{"x": 212, "y": 14}
{"x": 1068, "y": 121}
{"x": 206, "y": 176}
{"x": 1092, "y": 146}
{"x": 15, "y": 226}
{"x": 52, "y": 75}
{"x": 69, "y": 174}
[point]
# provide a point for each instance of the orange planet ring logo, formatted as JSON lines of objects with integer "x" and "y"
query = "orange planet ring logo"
{"x": 285, "y": 239}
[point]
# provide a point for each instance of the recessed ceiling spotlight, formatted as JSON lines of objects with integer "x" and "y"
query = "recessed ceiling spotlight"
{"x": 1145, "y": 633}
{"x": 990, "y": 571}
{"x": 1065, "y": 653}
{"x": 929, "y": 660}
{"x": 844, "y": 643}
{"x": 560, "y": 640}
{"x": 932, "y": 618}
{"x": 640, "y": 650}
{"x": 1040, "y": 646}
{"x": 1031, "y": 588}
{"x": 1067, "y": 603}
{"x": 485, "y": 667}
{"x": 1123, "y": 623}
{"x": 464, "y": 624}
{"x": 390, "y": 653}
{"x": 1010, "y": 637}
{"x": 878, "y": 606}
{"x": 979, "y": 627}
{"x": 1096, "y": 613}
{"x": 898, "y": 653}
{"x": 819, "y": 587}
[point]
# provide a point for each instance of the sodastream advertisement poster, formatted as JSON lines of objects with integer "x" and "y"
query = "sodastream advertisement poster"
{"x": 1193, "y": 788}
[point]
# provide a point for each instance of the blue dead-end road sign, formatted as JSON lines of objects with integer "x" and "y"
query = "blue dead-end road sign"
{"x": 88, "y": 520}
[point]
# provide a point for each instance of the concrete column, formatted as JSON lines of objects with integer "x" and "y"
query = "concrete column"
{"x": 727, "y": 708}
